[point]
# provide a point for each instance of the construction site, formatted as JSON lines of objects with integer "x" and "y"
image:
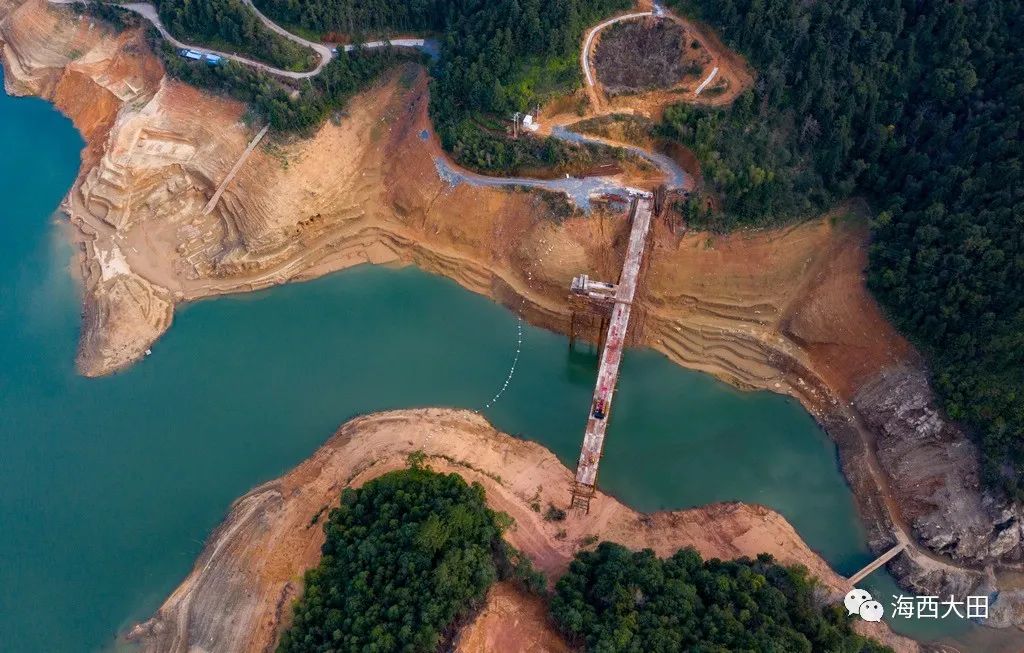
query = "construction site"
{"x": 612, "y": 306}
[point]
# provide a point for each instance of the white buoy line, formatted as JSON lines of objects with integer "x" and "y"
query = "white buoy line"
{"x": 512, "y": 369}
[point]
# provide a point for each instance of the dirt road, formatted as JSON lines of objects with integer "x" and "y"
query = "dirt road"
{"x": 324, "y": 52}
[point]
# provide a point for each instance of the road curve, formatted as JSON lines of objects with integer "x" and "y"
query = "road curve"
{"x": 585, "y": 53}
{"x": 149, "y": 12}
{"x": 326, "y": 53}
{"x": 901, "y": 530}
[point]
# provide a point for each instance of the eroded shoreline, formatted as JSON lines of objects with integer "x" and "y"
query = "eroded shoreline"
{"x": 783, "y": 310}
{"x": 237, "y": 596}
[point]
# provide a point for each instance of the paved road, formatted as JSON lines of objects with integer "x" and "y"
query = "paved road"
{"x": 430, "y": 46}
{"x": 711, "y": 77}
{"x": 325, "y": 52}
{"x": 149, "y": 12}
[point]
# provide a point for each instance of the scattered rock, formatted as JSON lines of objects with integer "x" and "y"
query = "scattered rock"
{"x": 934, "y": 471}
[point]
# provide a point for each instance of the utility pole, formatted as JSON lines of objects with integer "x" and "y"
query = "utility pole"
{"x": 515, "y": 125}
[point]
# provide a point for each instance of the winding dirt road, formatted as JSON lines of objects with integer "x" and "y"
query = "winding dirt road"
{"x": 325, "y": 52}
{"x": 589, "y": 41}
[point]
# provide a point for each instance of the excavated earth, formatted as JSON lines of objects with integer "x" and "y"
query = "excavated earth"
{"x": 236, "y": 597}
{"x": 784, "y": 310}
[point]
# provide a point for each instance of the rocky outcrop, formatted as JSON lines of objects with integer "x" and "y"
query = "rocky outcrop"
{"x": 934, "y": 472}
{"x": 922, "y": 575}
{"x": 1007, "y": 611}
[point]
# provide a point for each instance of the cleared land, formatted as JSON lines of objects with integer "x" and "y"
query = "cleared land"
{"x": 645, "y": 55}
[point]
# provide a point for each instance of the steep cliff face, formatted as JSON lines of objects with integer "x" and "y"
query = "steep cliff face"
{"x": 935, "y": 472}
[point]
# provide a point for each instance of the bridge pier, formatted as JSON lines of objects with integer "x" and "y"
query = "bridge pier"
{"x": 576, "y": 329}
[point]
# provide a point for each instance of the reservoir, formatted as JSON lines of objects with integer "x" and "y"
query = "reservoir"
{"x": 110, "y": 486}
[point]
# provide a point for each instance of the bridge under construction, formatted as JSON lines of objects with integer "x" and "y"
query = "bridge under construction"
{"x": 613, "y": 304}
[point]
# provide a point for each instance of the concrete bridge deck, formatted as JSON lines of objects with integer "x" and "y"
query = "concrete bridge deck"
{"x": 877, "y": 563}
{"x": 611, "y": 357}
{"x": 234, "y": 170}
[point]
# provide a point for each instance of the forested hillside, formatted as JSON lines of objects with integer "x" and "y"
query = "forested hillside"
{"x": 409, "y": 556}
{"x": 272, "y": 101}
{"x": 497, "y": 57}
{"x": 919, "y": 106}
{"x": 361, "y": 18}
{"x": 613, "y": 599}
{"x": 229, "y": 25}
{"x": 405, "y": 557}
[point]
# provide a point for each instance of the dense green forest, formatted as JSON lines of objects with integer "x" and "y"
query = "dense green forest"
{"x": 405, "y": 557}
{"x": 269, "y": 99}
{"x": 616, "y": 600}
{"x": 408, "y": 557}
{"x": 497, "y": 57}
{"x": 230, "y": 26}
{"x": 361, "y": 18}
{"x": 919, "y": 106}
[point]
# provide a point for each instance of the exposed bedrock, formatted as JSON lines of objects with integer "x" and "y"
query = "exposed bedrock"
{"x": 934, "y": 472}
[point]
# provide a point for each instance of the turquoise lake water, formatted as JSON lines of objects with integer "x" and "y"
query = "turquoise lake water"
{"x": 108, "y": 487}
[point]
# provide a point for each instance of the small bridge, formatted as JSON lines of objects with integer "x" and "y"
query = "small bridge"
{"x": 881, "y": 560}
{"x": 615, "y": 303}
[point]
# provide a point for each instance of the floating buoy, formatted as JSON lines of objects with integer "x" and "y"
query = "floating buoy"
{"x": 512, "y": 369}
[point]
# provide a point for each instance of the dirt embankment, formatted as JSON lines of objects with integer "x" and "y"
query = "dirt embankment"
{"x": 242, "y": 586}
{"x": 784, "y": 310}
{"x": 511, "y": 621}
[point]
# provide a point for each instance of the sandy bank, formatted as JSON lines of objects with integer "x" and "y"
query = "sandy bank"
{"x": 249, "y": 572}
